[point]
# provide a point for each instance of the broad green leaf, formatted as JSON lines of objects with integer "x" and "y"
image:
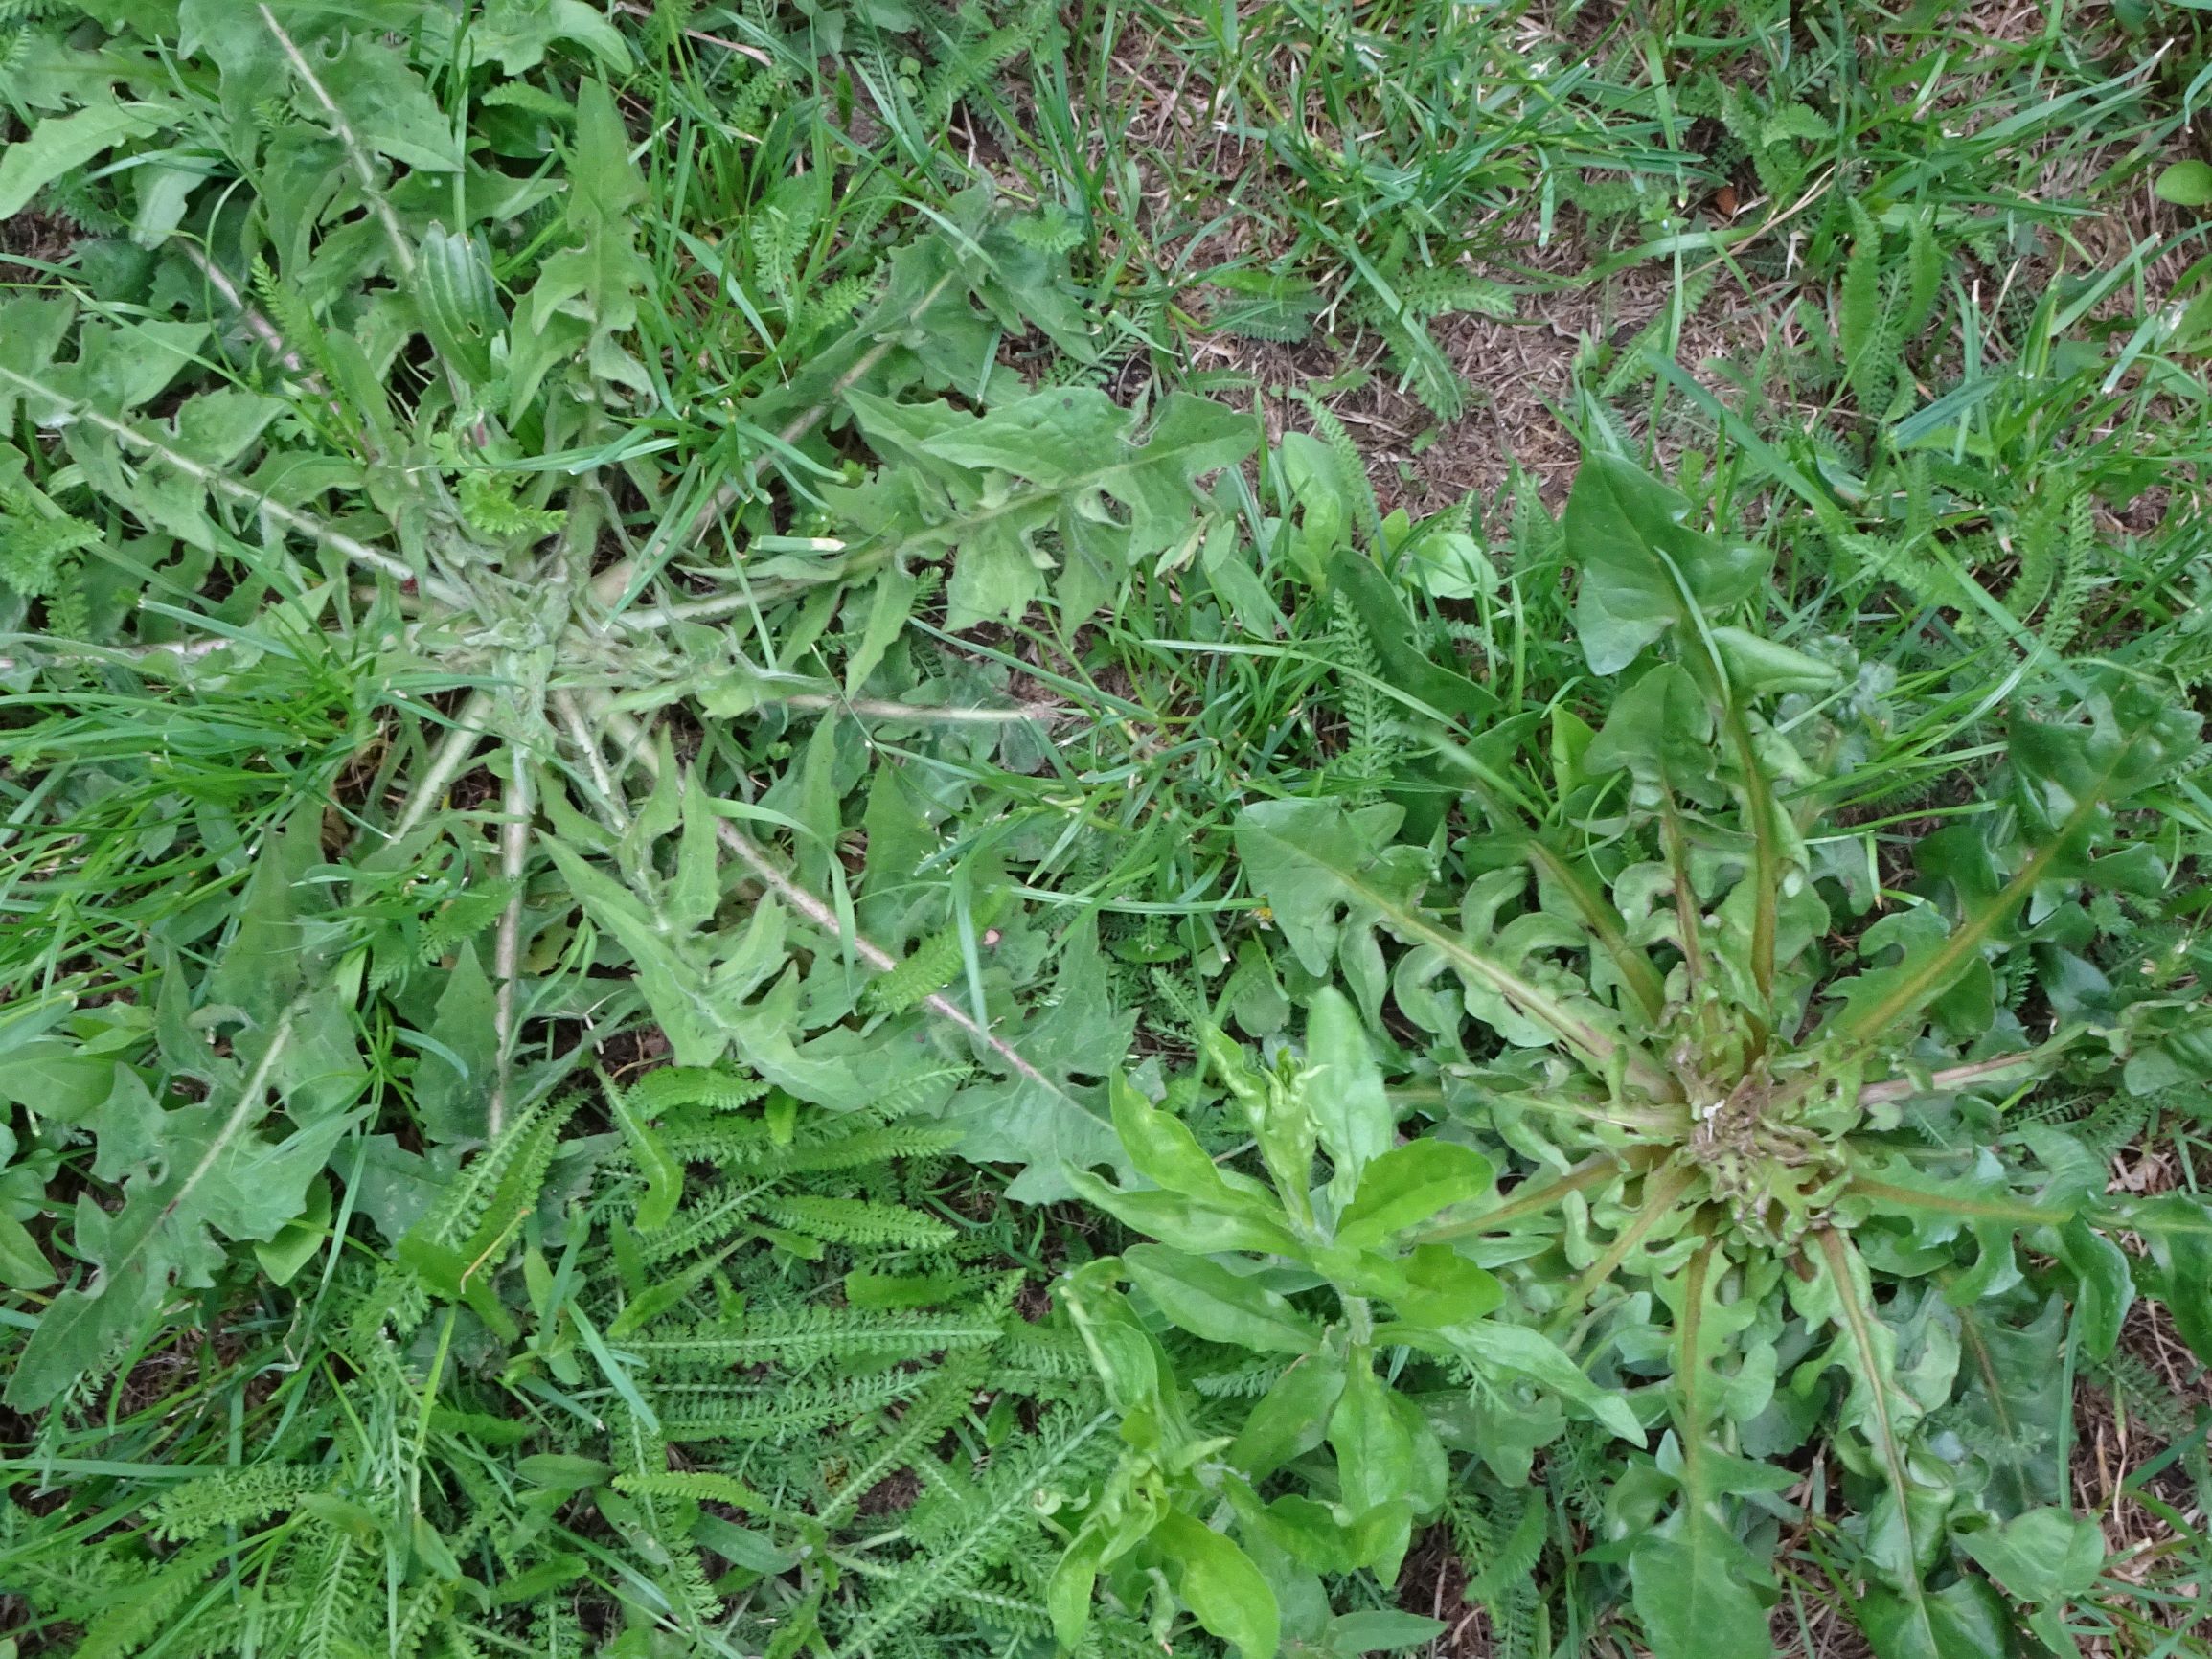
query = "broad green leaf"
{"x": 1447, "y": 1289}
{"x": 1128, "y": 1360}
{"x": 2047, "y": 1555}
{"x": 1577, "y": 878}
{"x": 214, "y": 1175}
{"x": 1375, "y": 1459}
{"x": 2103, "y": 1286}
{"x": 458, "y": 302}
{"x": 1661, "y": 731}
{"x": 1207, "y": 1300}
{"x": 56, "y": 1079}
{"x": 120, "y": 368}
{"x": 1327, "y": 872}
{"x": 454, "y": 1077}
{"x": 2008, "y": 1392}
{"x": 1373, "y": 1451}
{"x": 208, "y": 436}
{"x": 1759, "y": 666}
{"x": 1435, "y": 1290}
{"x": 1280, "y": 1114}
{"x": 1162, "y": 1149}
{"x": 23, "y": 1265}
{"x": 1331, "y": 876}
{"x": 1689, "y": 1598}
{"x": 1067, "y": 1595}
{"x": 1965, "y": 1620}
{"x": 697, "y": 892}
{"x": 2177, "y": 1228}
{"x": 1318, "y": 511}
{"x": 1381, "y": 1630}
{"x": 58, "y": 144}
{"x": 1449, "y": 564}
{"x": 2069, "y": 774}
{"x": 1411, "y": 1185}
{"x": 1341, "y": 1090}
{"x": 1291, "y": 1417}
{"x": 1223, "y": 1590}
{"x": 842, "y": 1069}
{"x": 32, "y": 329}
{"x": 2185, "y": 184}
{"x": 1310, "y": 1533}
{"x": 1187, "y": 1223}
{"x": 297, "y": 1242}
{"x": 1643, "y": 568}
{"x": 1517, "y": 1352}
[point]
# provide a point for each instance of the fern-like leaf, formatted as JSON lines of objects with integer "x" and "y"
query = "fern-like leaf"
{"x": 960, "y": 1541}
{"x": 858, "y": 1222}
{"x": 804, "y": 1335}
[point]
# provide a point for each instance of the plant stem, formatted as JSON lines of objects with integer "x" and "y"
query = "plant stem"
{"x": 514, "y": 810}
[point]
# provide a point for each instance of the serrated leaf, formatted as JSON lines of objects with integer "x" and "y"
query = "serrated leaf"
{"x": 1690, "y": 1582}
{"x": 59, "y": 144}
{"x": 517, "y": 33}
{"x": 2068, "y": 776}
{"x": 991, "y": 485}
{"x": 386, "y": 107}
{"x": 1040, "y": 1116}
{"x": 1331, "y": 876}
{"x": 217, "y": 1178}
{"x": 593, "y": 283}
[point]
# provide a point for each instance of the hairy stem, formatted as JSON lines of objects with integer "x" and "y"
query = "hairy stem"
{"x": 446, "y": 763}
{"x": 514, "y": 811}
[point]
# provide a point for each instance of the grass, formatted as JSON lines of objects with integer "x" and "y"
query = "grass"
{"x": 638, "y": 649}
